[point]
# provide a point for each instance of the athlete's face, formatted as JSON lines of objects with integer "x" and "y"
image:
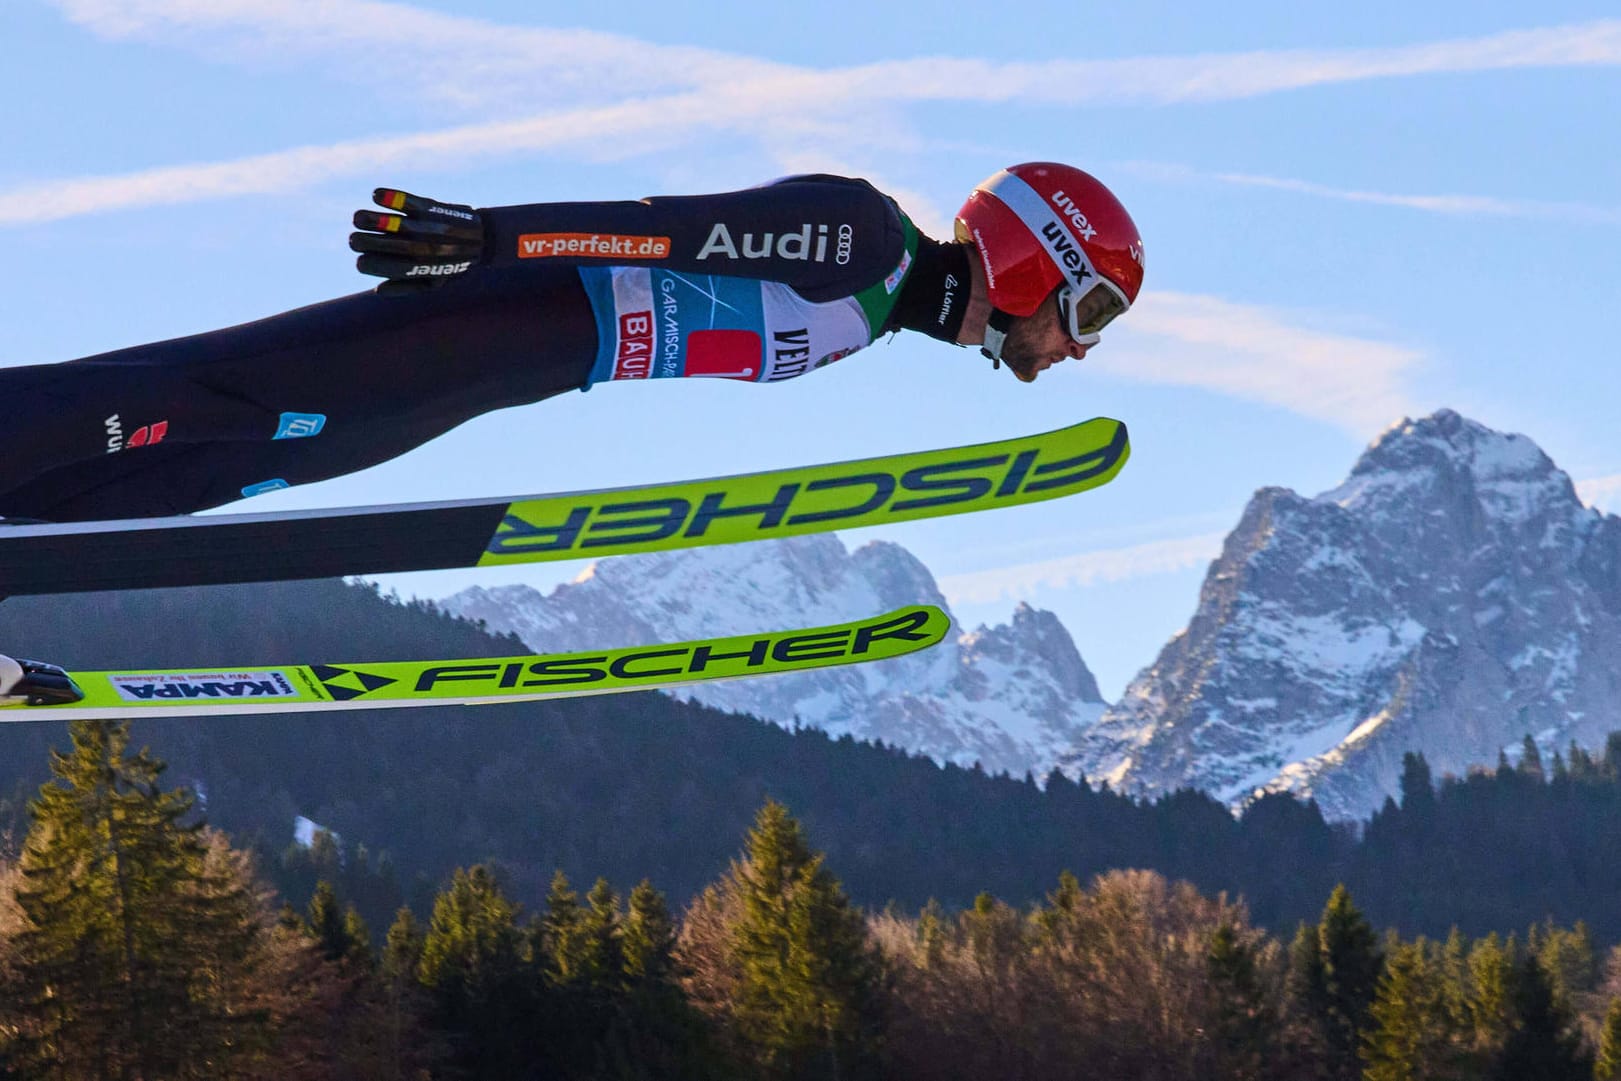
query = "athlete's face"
{"x": 1038, "y": 341}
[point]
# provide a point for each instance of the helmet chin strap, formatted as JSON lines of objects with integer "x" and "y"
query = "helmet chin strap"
{"x": 996, "y": 331}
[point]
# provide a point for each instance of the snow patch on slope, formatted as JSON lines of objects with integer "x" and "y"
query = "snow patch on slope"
{"x": 1451, "y": 596}
{"x": 1012, "y": 698}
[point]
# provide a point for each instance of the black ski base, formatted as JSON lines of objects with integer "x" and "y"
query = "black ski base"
{"x": 94, "y": 556}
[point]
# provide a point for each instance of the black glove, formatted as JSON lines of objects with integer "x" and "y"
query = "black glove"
{"x": 426, "y": 245}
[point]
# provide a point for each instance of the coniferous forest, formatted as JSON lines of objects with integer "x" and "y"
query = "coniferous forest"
{"x": 760, "y": 902}
{"x": 137, "y": 943}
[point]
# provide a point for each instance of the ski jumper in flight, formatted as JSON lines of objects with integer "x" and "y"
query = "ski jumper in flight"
{"x": 487, "y": 308}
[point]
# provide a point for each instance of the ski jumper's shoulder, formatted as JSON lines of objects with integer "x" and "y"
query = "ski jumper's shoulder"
{"x": 825, "y": 236}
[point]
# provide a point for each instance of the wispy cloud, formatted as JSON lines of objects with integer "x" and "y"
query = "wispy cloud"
{"x": 1087, "y": 568}
{"x": 453, "y": 60}
{"x": 1258, "y": 354}
{"x": 1601, "y": 492}
{"x": 372, "y": 29}
{"x": 606, "y": 131}
{"x": 1456, "y": 205}
{"x": 1170, "y": 80}
{"x": 622, "y": 97}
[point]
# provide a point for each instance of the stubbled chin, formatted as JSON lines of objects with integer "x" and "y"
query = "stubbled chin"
{"x": 1023, "y": 370}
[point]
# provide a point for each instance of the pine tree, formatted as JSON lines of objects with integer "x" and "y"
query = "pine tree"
{"x": 358, "y": 936}
{"x": 1491, "y": 1012}
{"x": 584, "y": 993}
{"x": 1453, "y": 972}
{"x": 1417, "y": 786}
{"x": 1306, "y": 982}
{"x": 648, "y": 938}
{"x": 809, "y": 999}
{"x": 402, "y": 950}
{"x": 340, "y": 933}
{"x": 1570, "y": 961}
{"x": 1611, "y": 763}
{"x": 1531, "y": 759}
{"x": 601, "y": 952}
{"x": 1608, "y": 1065}
{"x": 996, "y": 938}
{"x": 1410, "y": 1032}
{"x": 563, "y": 936}
{"x": 1542, "y": 1045}
{"x": 362, "y": 1030}
{"x": 478, "y": 993}
{"x": 932, "y": 935}
{"x": 1351, "y": 963}
{"x": 1304, "y": 996}
{"x": 1241, "y": 1023}
{"x": 137, "y": 939}
{"x": 1056, "y": 923}
{"x": 1582, "y": 766}
{"x": 402, "y": 1005}
{"x": 1391, "y": 1044}
{"x": 657, "y": 1033}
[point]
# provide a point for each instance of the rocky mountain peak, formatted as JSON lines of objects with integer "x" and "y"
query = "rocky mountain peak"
{"x": 1448, "y": 458}
{"x": 897, "y": 576}
{"x": 1450, "y": 597}
{"x": 1037, "y": 639}
{"x": 1013, "y": 698}
{"x": 1447, "y": 439}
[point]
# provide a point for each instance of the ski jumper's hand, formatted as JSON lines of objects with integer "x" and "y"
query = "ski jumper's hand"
{"x": 424, "y": 245}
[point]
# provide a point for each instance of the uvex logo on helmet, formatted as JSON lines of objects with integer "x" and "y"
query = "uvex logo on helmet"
{"x": 1068, "y": 255}
{"x": 1067, "y": 207}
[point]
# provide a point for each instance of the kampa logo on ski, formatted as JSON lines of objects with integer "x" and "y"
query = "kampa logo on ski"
{"x": 830, "y": 497}
{"x": 167, "y": 687}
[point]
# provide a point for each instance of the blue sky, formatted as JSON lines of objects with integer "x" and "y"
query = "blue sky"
{"x": 1350, "y": 215}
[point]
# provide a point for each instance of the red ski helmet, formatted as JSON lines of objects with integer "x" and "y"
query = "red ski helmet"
{"x": 1041, "y": 225}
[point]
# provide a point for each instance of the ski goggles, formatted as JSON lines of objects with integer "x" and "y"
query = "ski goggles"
{"x": 1085, "y": 315}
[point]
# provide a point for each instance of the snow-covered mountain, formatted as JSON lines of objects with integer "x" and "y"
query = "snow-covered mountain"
{"x": 1013, "y": 697}
{"x": 1451, "y": 597}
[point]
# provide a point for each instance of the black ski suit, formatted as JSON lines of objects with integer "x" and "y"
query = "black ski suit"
{"x": 182, "y": 425}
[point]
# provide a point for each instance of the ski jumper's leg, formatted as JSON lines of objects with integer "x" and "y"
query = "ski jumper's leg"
{"x": 182, "y": 425}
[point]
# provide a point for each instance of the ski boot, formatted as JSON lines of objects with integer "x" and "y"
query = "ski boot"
{"x": 33, "y": 683}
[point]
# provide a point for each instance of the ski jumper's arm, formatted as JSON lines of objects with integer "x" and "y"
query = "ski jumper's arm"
{"x": 761, "y": 284}
{"x": 826, "y": 237}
